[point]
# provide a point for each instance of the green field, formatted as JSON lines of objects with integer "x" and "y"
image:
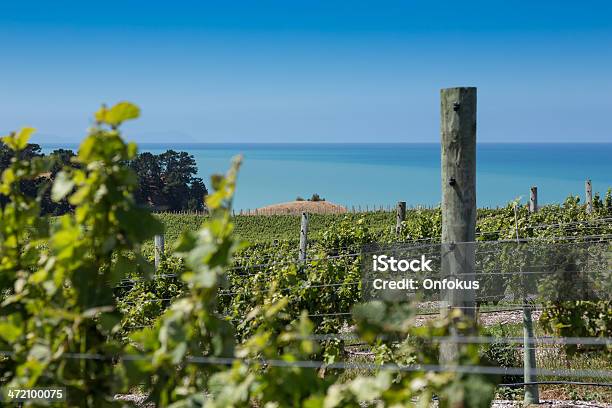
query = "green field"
{"x": 267, "y": 228}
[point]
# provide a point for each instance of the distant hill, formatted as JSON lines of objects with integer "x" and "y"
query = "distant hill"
{"x": 298, "y": 207}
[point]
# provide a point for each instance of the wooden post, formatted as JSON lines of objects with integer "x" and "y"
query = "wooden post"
{"x": 303, "y": 236}
{"x": 588, "y": 192}
{"x": 159, "y": 249}
{"x": 400, "y": 216}
{"x": 458, "y": 143}
{"x": 533, "y": 199}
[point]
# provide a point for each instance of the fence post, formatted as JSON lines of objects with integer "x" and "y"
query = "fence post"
{"x": 159, "y": 249}
{"x": 533, "y": 199}
{"x": 531, "y": 395}
{"x": 400, "y": 216}
{"x": 458, "y": 143}
{"x": 303, "y": 236}
{"x": 588, "y": 192}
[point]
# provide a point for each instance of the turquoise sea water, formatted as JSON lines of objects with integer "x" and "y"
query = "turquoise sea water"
{"x": 382, "y": 174}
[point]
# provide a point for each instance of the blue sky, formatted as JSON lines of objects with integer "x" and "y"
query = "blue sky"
{"x": 308, "y": 71}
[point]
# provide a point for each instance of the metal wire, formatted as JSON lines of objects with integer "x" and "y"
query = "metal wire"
{"x": 592, "y": 341}
{"x": 227, "y": 361}
{"x": 588, "y": 384}
{"x": 574, "y": 224}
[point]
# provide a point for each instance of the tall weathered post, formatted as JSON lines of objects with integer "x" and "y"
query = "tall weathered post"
{"x": 458, "y": 142}
{"x": 159, "y": 249}
{"x": 588, "y": 196}
{"x": 533, "y": 199}
{"x": 400, "y": 216}
{"x": 303, "y": 236}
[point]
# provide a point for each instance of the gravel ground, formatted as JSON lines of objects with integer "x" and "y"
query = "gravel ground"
{"x": 491, "y": 319}
{"x": 138, "y": 400}
{"x": 551, "y": 404}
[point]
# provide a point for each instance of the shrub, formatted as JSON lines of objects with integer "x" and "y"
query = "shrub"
{"x": 316, "y": 197}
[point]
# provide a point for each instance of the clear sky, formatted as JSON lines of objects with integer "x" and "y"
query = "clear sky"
{"x": 308, "y": 71}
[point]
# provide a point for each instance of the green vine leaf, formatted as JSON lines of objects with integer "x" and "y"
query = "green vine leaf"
{"x": 19, "y": 141}
{"x": 62, "y": 186}
{"x": 118, "y": 114}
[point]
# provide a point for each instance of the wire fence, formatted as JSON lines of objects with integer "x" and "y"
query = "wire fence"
{"x": 345, "y": 365}
{"x": 250, "y": 270}
{"x": 281, "y": 257}
{"x": 245, "y": 267}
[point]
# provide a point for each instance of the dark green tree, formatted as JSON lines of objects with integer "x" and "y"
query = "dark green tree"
{"x": 150, "y": 183}
{"x": 60, "y": 159}
{"x": 29, "y": 187}
{"x": 168, "y": 182}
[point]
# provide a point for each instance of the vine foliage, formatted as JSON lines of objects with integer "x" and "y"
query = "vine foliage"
{"x": 64, "y": 317}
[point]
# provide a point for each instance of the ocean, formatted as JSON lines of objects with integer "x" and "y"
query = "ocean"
{"x": 370, "y": 175}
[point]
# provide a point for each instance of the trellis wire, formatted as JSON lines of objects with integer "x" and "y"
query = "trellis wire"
{"x": 342, "y": 365}
{"x": 332, "y": 257}
{"x": 591, "y": 341}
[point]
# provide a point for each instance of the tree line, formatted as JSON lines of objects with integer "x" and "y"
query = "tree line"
{"x": 166, "y": 181}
